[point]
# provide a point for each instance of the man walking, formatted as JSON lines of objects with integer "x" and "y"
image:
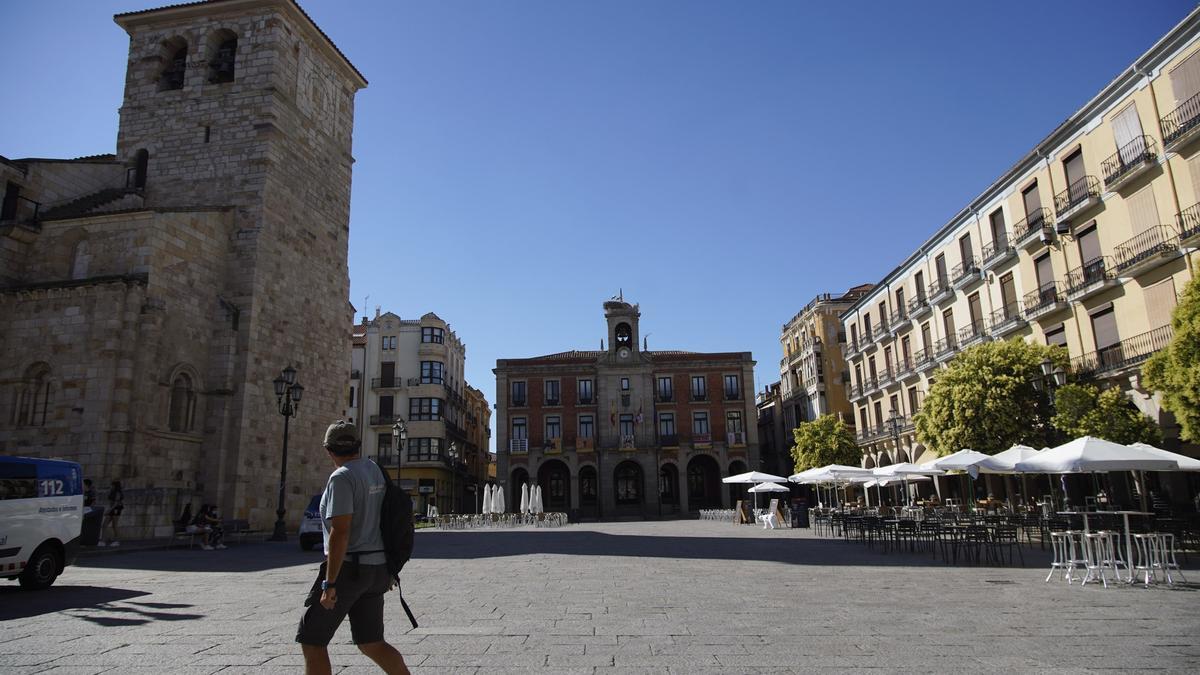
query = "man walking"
{"x": 354, "y": 576}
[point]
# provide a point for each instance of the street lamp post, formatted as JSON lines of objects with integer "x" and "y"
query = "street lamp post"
{"x": 452, "y": 454}
{"x": 894, "y": 422}
{"x": 399, "y": 435}
{"x": 287, "y": 395}
{"x": 1046, "y": 382}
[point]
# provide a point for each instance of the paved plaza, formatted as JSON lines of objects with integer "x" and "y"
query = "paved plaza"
{"x": 675, "y": 596}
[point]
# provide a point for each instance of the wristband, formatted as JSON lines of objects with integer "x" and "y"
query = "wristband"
{"x": 326, "y": 584}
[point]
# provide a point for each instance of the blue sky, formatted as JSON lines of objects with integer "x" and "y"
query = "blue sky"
{"x": 518, "y": 162}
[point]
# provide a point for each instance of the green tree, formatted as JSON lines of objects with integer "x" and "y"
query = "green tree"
{"x": 1175, "y": 371}
{"x": 1084, "y": 410}
{"x": 826, "y": 440}
{"x": 985, "y": 399}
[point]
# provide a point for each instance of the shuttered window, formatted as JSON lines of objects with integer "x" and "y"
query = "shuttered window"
{"x": 948, "y": 324}
{"x": 940, "y": 264}
{"x": 1073, "y": 167}
{"x": 1057, "y": 336}
{"x": 1160, "y": 301}
{"x": 1126, "y": 128}
{"x": 1104, "y": 329}
{"x": 964, "y": 248}
{"x": 1045, "y": 271}
{"x": 1185, "y": 78}
{"x": 1194, "y": 171}
{"x": 975, "y": 308}
{"x": 999, "y": 235}
{"x": 1008, "y": 294}
{"x": 1143, "y": 210}
{"x": 1033, "y": 200}
{"x": 1089, "y": 246}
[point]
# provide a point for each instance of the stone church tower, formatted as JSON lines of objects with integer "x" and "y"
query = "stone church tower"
{"x": 189, "y": 268}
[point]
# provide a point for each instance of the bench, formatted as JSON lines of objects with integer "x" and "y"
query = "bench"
{"x": 181, "y": 534}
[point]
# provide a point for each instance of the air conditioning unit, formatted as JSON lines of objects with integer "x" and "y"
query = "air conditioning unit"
{"x": 1063, "y": 227}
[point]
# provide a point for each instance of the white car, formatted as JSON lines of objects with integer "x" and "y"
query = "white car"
{"x": 311, "y": 533}
{"x": 41, "y": 518}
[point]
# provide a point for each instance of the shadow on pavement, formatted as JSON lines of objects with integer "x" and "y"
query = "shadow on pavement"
{"x": 16, "y": 603}
{"x": 807, "y": 551}
{"x": 250, "y": 557}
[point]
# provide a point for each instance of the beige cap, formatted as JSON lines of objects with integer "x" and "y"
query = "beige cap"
{"x": 341, "y": 434}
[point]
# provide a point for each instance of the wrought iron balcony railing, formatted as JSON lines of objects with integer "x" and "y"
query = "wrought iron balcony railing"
{"x": 939, "y": 290}
{"x": 387, "y": 382}
{"x": 1159, "y": 241}
{"x": 1076, "y": 195}
{"x": 1027, "y": 230}
{"x": 1180, "y": 121}
{"x": 945, "y": 346}
{"x": 1050, "y": 295}
{"x": 972, "y": 332}
{"x": 995, "y": 251}
{"x": 1126, "y": 353}
{"x": 668, "y": 440}
{"x": 965, "y": 270}
{"x": 1140, "y": 152}
{"x": 1006, "y": 318}
{"x": 1188, "y": 222}
{"x": 383, "y": 420}
{"x": 1090, "y": 275}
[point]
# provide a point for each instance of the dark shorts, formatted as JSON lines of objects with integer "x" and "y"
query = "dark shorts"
{"x": 360, "y": 590}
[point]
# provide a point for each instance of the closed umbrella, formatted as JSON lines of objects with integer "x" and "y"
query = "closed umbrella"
{"x": 524, "y": 497}
{"x": 537, "y": 501}
{"x": 486, "y": 499}
{"x": 498, "y": 500}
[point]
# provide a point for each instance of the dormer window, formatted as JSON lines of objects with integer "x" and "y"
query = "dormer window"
{"x": 171, "y": 77}
{"x": 223, "y": 54}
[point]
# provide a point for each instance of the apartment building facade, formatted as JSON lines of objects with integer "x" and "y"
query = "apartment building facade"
{"x": 1084, "y": 243}
{"x": 411, "y": 370}
{"x": 625, "y": 432}
{"x": 813, "y": 378}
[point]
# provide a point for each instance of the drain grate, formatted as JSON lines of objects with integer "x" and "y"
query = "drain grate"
{"x": 999, "y": 581}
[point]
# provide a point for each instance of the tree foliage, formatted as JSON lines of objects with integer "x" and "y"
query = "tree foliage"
{"x": 985, "y": 399}
{"x": 1084, "y": 410}
{"x": 1175, "y": 371}
{"x": 824, "y": 441}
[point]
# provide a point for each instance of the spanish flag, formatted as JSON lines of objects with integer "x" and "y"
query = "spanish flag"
{"x": 612, "y": 413}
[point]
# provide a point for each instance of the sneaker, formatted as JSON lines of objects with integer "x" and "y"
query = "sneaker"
{"x": 221, "y": 547}
{"x": 100, "y": 543}
{"x": 206, "y": 547}
{"x": 114, "y": 543}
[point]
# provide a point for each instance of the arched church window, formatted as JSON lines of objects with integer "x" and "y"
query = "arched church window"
{"x": 183, "y": 404}
{"x": 222, "y": 57}
{"x": 33, "y": 397}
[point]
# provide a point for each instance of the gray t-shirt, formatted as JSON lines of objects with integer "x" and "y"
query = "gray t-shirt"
{"x": 356, "y": 487}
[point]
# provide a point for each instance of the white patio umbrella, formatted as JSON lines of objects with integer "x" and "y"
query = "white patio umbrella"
{"x": 770, "y": 487}
{"x": 1006, "y": 461}
{"x": 1088, "y": 454}
{"x": 524, "y": 498}
{"x": 963, "y": 460}
{"x": 754, "y": 477}
{"x": 486, "y": 499}
{"x": 498, "y": 500}
{"x": 906, "y": 469}
{"x": 1185, "y": 464}
{"x": 537, "y": 500}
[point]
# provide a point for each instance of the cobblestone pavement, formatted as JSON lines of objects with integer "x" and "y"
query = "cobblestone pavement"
{"x": 682, "y": 596}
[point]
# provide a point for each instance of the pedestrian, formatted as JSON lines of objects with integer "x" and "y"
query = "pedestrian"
{"x": 216, "y": 532}
{"x": 354, "y": 577}
{"x": 116, "y": 504}
{"x": 89, "y": 493}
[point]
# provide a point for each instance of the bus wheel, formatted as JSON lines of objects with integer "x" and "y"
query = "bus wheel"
{"x": 42, "y": 568}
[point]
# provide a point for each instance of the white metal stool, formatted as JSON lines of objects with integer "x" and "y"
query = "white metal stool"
{"x": 1066, "y": 556}
{"x": 1098, "y": 556}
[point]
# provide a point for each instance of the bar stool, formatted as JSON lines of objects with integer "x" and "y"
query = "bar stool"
{"x": 1148, "y": 556}
{"x": 1098, "y": 555}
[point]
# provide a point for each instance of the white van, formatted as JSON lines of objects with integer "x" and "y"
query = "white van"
{"x": 41, "y": 517}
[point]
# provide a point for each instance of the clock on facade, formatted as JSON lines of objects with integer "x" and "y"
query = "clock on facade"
{"x": 623, "y": 353}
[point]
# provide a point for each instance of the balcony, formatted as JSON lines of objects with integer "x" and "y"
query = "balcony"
{"x": 1130, "y": 161}
{"x": 1114, "y": 360}
{"x": 733, "y": 395}
{"x": 387, "y": 382}
{"x": 852, "y": 349}
{"x": 967, "y": 273}
{"x": 945, "y": 348}
{"x": 356, "y": 374}
{"x": 1146, "y": 251}
{"x": 587, "y": 400}
{"x": 1079, "y": 196}
{"x": 1006, "y": 320}
{"x": 518, "y": 446}
{"x": 796, "y": 357}
{"x": 856, "y": 391}
{"x": 904, "y": 368}
{"x": 898, "y": 321}
{"x": 517, "y": 402}
{"x": 736, "y": 439}
{"x": 972, "y": 333}
{"x": 664, "y": 397}
{"x": 699, "y": 397}
{"x": 701, "y": 440}
{"x": 996, "y": 253}
{"x": 1034, "y": 229}
{"x": 587, "y": 444}
{"x": 1187, "y": 222}
{"x": 668, "y": 441}
{"x": 812, "y": 346}
{"x": 383, "y": 420}
{"x": 1095, "y": 276}
{"x": 1179, "y": 126}
{"x": 627, "y": 442}
{"x": 870, "y": 385}
{"x": 552, "y": 446}
{"x": 939, "y": 291}
{"x": 886, "y": 376}
{"x": 869, "y": 343}
{"x": 923, "y": 360}
{"x": 918, "y": 307}
{"x": 552, "y": 401}
{"x": 1048, "y": 299}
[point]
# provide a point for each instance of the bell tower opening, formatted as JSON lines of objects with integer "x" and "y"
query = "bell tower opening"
{"x": 622, "y": 320}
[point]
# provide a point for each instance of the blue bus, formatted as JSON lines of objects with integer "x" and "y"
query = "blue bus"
{"x": 41, "y": 517}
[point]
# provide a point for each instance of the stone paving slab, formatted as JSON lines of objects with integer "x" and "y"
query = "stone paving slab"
{"x": 658, "y": 597}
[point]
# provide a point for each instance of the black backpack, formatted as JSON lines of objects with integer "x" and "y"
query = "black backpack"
{"x": 396, "y": 527}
